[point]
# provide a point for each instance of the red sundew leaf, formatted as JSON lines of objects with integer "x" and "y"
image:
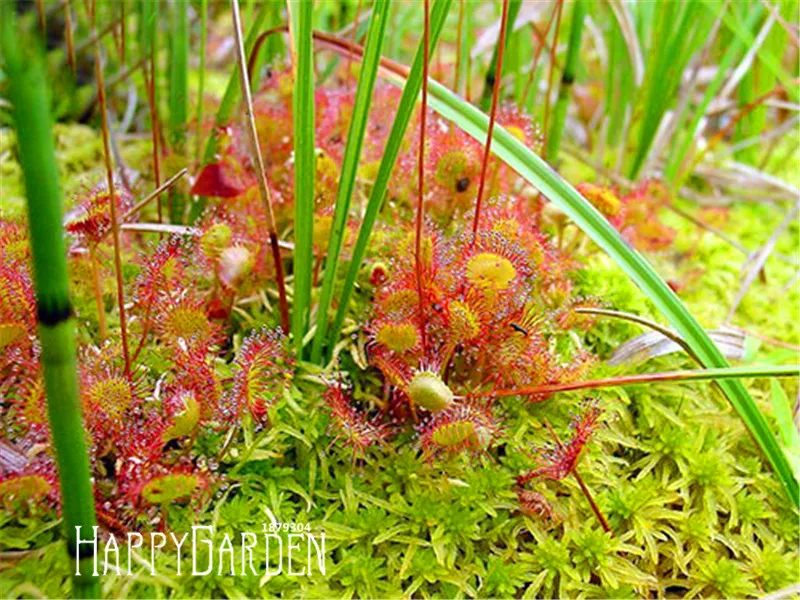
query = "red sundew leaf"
{"x": 219, "y": 180}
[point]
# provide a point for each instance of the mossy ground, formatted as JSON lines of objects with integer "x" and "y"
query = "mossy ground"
{"x": 693, "y": 506}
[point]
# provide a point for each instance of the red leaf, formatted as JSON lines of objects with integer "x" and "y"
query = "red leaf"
{"x": 219, "y": 180}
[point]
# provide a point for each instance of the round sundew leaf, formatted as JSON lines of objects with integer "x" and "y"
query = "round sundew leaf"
{"x": 184, "y": 422}
{"x": 453, "y": 434}
{"x": 170, "y": 488}
{"x": 428, "y": 390}
{"x": 398, "y": 337}
{"x": 490, "y": 271}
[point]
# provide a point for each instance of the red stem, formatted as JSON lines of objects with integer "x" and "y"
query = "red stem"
{"x": 282, "y": 302}
{"x": 101, "y": 98}
{"x": 495, "y": 95}
{"x": 546, "y": 390}
{"x": 587, "y": 494}
{"x": 421, "y": 173}
{"x": 542, "y": 44}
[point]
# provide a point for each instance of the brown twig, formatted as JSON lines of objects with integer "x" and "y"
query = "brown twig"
{"x": 263, "y": 183}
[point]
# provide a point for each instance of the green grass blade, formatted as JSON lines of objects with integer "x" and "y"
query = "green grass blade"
{"x": 567, "y": 79}
{"x": 688, "y": 134}
{"x": 304, "y": 169}
{"x": 404, "y": 111}
{"x": 488, "y": 85}
{"x": 27, "y": 88}
{"x": 537, "y": 172}
{"x": 347, "y": 180}
{"x": 202, "y": 74}
{"x": 680, "y": 29}
{"x": 179, "y": 73}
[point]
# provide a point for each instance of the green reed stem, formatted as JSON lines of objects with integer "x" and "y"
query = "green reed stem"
{"x": 567, "y": 79}
{"x": 29, "y": 95}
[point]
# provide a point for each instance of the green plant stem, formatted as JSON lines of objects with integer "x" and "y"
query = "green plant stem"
{"x": 28, "y": 93}
{"x": 510, "y": 18}
{"x": 391, "y": 150}
{"x": 304, "y": 168}
{"x": 347, "y": 180}
{"x": 201, "y": 75}
{"x": 567, "y": 79}
{"x": 179, "y": 74}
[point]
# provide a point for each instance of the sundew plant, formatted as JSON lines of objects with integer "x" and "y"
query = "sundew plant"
{"x": 377, "y": 299}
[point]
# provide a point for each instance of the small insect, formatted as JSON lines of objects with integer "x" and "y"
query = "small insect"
{"x": 462, "y": 184}
{"x": 437, "y": 307}
{"x": 519, "y": 328}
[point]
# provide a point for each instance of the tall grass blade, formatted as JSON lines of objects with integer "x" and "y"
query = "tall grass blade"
{"x": 679, "y": 29}
{"x": 27, "y": 88}
{"x": 491, "y": 73}
{"x": 179, "y": 73}
{"x": 537, "y": 172}
{"x": 304, "y": 168}
{"x": 687, "y": 135}
{"x": 347, "y": 181}
{"x": 201, "y": 74}
{"x": 567, "y": 79}
{"x": 390, "y": 153}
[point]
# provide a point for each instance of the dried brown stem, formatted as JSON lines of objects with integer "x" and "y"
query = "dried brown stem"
{"x": 263, "y": 183}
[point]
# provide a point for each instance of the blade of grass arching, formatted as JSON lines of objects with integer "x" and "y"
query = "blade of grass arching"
{"x": 27, "y": 89}
{"x": 537, "y": 172}
{"x": 228, "y": 103}
{"x": 567, "y": 79}
{"x": 304, "y": 166}
{"x": 347, "y": 181}
{"x": 488, "y": 85}
{"x": 404, "y": 111}
{"x": 790, "y": 438}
